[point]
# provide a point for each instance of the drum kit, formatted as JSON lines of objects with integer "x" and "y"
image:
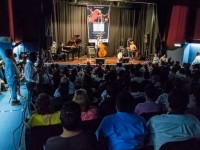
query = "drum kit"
{"x": 122, "y": 52}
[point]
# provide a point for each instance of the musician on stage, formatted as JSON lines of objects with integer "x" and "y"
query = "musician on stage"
{"x": 61, "y": 55}
{"x": 132, "y": 49}
{"x": 97, "y": 43}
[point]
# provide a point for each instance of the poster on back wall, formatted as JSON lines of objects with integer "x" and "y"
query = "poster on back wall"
{"x": 98, "y": 22}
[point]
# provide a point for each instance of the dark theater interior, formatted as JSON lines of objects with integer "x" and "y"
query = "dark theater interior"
{"x": 99, "y": 74}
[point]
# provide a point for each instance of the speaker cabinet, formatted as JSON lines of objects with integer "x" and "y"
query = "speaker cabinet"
{"x": 100, "y": 60}
{"x": 125, "y": 60}
{"x": 91, "y": 51}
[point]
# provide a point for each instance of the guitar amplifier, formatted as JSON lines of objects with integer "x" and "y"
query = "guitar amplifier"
{"x": 91, "y": 51}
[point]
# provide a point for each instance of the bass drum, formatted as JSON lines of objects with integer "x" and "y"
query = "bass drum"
{"x": 119, "y": 55}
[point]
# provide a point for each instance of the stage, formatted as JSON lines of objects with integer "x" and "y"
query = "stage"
{"x": 107, "y": 61}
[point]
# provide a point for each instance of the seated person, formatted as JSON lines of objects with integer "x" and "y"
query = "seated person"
{"x": 88, "y": 112}
{"x": 174, "y": 126}
{"x": 72, "y": 138}
{"x": 149, "y": 106}
{"x": 195, "y": 109}
{"x": 123, "y": 129}
{"x": 196, "y": 59}
{"x": 61, "y": 55}
{"x": 45, "y": 114}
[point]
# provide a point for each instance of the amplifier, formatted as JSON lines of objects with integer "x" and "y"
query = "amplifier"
{"x": 91, "y": 51}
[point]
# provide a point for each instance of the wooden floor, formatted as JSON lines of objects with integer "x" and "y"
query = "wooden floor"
{"x": 107, "y": 60}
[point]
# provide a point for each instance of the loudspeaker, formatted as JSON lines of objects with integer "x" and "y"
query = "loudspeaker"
{"x": 125, "y": 59}
{"x": 100, "y": 60}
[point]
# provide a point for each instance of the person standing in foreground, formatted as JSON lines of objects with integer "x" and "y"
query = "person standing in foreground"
{"x": 72, "y": 138}
{"x": 31, "y": 76}
{"x": 12, "y": 74}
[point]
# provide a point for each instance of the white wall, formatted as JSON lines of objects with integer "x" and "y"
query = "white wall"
{"x": 176, "y": 55}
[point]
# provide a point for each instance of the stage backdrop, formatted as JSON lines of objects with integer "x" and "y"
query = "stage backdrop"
{"x": 98, "y": 22}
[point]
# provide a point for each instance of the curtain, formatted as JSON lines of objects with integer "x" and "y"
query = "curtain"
{"x": 197, "y": 25}
{"x": 177, "y": 26}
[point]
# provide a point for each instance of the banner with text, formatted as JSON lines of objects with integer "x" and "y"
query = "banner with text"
{"x": 98, "y": 22}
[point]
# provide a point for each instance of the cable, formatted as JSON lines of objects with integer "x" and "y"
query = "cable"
{"x": 21, "y": 124}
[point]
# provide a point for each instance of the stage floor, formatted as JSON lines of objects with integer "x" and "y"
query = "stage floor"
{"x": 107, "y": 61}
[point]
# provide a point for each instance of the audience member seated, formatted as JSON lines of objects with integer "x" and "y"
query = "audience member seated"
{"x": 45, "y": 114}
{"x": 108, "y": 104}
{"x": 122, "y": 130}
{"x": 195, "y": 110}
{"x": 72, "y": 138}
{"x": 174, "y": 126}
{"x": 61, "y": 95}
{"x": 88, "y": 112}
{"x": 163, "y": 98}
{"x": 135, "y": 90}
{"x": 149, "y": 105}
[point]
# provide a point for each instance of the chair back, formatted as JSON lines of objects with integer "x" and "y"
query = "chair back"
{"x": 90, "y": 125}
{"x": 147, "y": 116}
{"x": 191, "y": 144}
{"x": 37, "y": 136}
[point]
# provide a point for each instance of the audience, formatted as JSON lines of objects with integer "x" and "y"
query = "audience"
{"x": 92, "y": 94}
{"x": 72, "y": 138}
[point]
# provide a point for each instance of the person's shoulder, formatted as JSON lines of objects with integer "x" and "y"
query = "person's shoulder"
{"x": 53, "y": 139}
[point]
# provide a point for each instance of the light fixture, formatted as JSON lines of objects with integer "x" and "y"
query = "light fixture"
{"x": 177, "y": 44}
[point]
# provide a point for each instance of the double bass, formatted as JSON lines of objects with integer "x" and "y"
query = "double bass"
{"x": 102, "y": 51}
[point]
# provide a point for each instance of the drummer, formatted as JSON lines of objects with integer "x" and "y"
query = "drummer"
{"x": 132, "y": 49}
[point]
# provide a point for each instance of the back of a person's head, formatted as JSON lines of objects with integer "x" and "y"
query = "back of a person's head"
{"x": 8, "y": 53}
{"x": 150, "y": 92}
{"x": 113, "y": 88}
{"x": 178, "y": 100}
{"x": 81, "y": 98}
{"x": 168, "y": 86}
{"x": 63, "y": 89}
{"x": 32, "y": 56}
{"x": 43, "y": 104}
{"x": 125, "y": 102}
{"x": 70, "y": 116}
{"x": 180, "y": 84}
{"x": 134, "y": 86}
{"x": 174, "y": 69}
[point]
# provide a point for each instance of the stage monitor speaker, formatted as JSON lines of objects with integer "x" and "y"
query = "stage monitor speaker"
{"x": 100, "y": 60}
{"x": 125, "y": 60}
